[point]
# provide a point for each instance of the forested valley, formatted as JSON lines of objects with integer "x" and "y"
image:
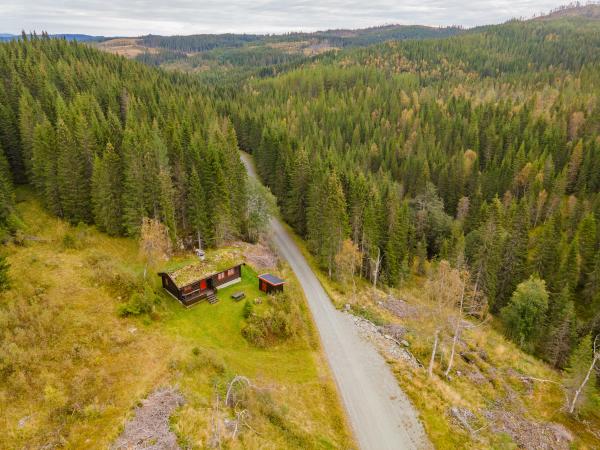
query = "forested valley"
{"x": 436, "y": 165}
{"x": 482, "y": 149}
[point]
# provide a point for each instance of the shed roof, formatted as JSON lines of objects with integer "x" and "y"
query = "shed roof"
{"x": 271, "y": 279}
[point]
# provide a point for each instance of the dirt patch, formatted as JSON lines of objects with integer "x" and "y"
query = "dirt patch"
{"x": 528, "y": 434}
{"x": 149, "y": 429}
{"x": 128, "y": 47}
{"x": 260, "y": 256}
{"x": 399, "y": 307}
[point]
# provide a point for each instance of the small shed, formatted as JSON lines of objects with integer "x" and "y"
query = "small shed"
{"x": 270, "y": 283}
{"x": 194, "y": 283}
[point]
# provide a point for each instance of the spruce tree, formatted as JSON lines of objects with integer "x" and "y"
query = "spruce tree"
{"x": 327, "y": 220}
{"x": 561, "y": 329}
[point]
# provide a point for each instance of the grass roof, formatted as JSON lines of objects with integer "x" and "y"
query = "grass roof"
{"x": 200, "y": 270}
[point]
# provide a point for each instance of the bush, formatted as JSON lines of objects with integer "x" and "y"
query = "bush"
{"x": 4, "y": 280}
{"x": 248, "y": 309}
{"x": 280, "y": 321}
{"x": 117, "y": 280}
{"x": 140, "y": 303}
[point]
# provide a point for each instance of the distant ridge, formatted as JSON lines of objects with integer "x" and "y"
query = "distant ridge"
{"x": 588, "y": 11}
{"x": 67, "y": 36}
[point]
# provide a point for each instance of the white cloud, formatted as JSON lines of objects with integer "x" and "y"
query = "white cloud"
{"x": 136, "y": 17}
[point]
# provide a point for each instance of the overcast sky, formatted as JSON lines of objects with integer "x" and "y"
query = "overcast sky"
{"x": 137, "y": 17}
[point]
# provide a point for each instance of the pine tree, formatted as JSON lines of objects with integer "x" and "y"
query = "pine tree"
{"x": 294, "y": 208}
{"x": 72, "y": 178}
{"x": 327, "y": 220}
{"x": 6, "y": 192}
{"x": 587, "y": 238}
{"x": 197, "y": 210}
{"x": 397, "y": 248}
{"x": 106, "y": 191}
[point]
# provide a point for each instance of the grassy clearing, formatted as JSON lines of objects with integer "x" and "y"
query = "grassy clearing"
{"x": 487, "y": 381}
{"x": 71, "y": 369}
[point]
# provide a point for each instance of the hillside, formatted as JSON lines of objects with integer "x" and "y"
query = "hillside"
{"x": 590, "y": 11}
{"x": 72, "y": 370}
{"x": 479, "y": 149}
{"x": 444, "y": 183}
{"x": 252, "y": 52}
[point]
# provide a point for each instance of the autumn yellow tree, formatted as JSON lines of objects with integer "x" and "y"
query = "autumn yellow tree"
{"x": 155, "y": 243}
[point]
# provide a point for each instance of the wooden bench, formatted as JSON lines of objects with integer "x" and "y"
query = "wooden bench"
{"x": 237, "y": 296}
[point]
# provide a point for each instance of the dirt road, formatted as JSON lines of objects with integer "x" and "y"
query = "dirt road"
{"x": 380, "y": 414}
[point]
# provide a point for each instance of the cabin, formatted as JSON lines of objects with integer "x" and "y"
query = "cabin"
{"x": 195, "y": 283}
{"x": 269, "y": 283}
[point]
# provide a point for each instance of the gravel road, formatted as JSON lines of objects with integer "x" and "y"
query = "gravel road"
{"x": 380, "y": 414}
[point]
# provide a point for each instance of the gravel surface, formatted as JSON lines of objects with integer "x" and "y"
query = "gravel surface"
{"x": 387, "y": 344}
{"x": 381, "y": 415}
{"x": 149, "y": 429}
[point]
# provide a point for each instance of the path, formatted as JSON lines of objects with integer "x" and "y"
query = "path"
{"x": 380, "y": 414}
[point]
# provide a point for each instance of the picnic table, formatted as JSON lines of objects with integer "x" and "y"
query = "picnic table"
{"x": 237, "y": 296}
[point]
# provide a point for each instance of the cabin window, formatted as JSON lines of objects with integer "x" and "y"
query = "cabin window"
{"x": 230, "y": 272}
{"x": 221, "y": 276}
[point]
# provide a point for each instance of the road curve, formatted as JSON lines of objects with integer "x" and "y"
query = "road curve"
{"x": 380, "y": 414}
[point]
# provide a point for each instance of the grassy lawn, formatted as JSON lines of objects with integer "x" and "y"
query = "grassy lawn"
{"x": 218, "y": 327}
{"x": 72, "y": 370}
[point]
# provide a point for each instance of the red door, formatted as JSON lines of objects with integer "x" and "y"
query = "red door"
{"x": 202, "y": 285}
{"x": 263, "y": 286}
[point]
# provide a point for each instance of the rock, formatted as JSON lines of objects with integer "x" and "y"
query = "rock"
{"x": 347, "y": 307}
{"x": 463, "y": 416}
{"x": 257, "y": 301}
{"x": 23, "y": 421}
{"x": 560, "y": 432}
{"x": 387, "y": 344}
{"x": 405, "y": 343}
{"x": 132, "y": 330}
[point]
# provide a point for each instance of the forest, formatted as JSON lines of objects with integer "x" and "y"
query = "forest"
{"x": 478, "y": 149}
{"x": 108, "y": 141}
{"x": 481, "y": 149}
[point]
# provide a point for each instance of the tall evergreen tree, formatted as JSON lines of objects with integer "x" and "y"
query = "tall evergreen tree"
{"x": 326, "y": 219}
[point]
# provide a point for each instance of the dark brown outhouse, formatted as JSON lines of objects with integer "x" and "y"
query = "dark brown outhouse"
{"x": 270, "y": 283}
{"x": 192, "y": 284}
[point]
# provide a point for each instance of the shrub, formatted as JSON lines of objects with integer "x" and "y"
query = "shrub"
{"x": 280, "y": 321}
{"x": 140, "y": 303}
{"x": 248, "y": 309}
{"x": 4, "y": 280}
{"x": 68, "y": 241}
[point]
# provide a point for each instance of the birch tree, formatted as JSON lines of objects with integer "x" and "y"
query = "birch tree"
{"x": 155, "y": 244}
{"x": 581, "y": 373}
{"x": 444, "y": 288}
